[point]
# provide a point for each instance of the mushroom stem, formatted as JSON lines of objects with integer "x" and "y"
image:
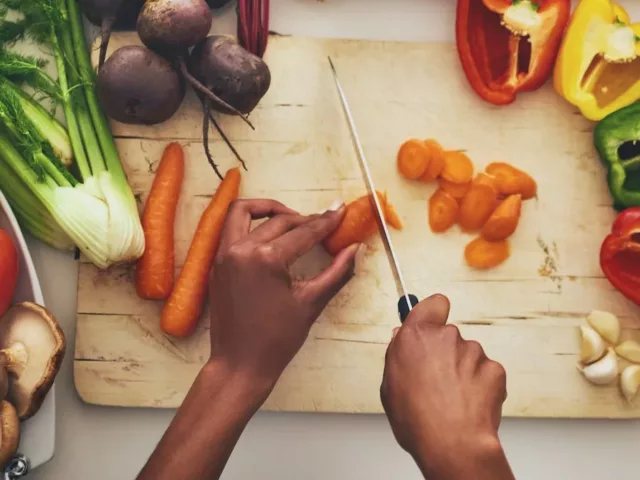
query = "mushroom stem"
{"x": 14, "y": 358}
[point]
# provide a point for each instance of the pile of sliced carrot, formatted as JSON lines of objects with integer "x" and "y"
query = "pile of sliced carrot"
{"x": 489, "y": 203}
{"x": 155, "y": 270}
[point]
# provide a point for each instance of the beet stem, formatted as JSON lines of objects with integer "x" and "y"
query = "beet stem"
{"x": 105, "y": 34}
{"x": 201, "y": 88}
{"x": 222, "y": 134}
{"x": 206, "y": 110}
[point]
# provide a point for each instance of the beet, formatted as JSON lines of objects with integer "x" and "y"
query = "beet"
{"x": 237, "y": 76}
{"x": 172, "y": 26}
{"x": 136, "y": 85}
{"x": 109, "y": 15}
{"x": 233, "y": 74}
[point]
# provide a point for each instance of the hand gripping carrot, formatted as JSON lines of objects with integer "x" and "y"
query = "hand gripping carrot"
{"x": 182, "y": 310}
{"x": 154, "y": 271}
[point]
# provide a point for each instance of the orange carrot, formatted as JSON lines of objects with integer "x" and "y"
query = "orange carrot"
{"x": 486, "y": 179}
{"x": 182, "y": 309}
{"x": 483, "y": 254}
{"x": 359, "y": 223}
{"x": 511, "y": 180}
{"x": 504, "y": 220}
{"x": 457, "y": 167}
{"x": 477, "y": 205}
{"x": 413, "y": 159}
{"x": 436, "y": 160}
{"x": 456, "y": 190}
{"x": 154, "y": 271}
{"x": 443, "y": 211}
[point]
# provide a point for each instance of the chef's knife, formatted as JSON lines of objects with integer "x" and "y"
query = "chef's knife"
{"x": 407, "y": 301}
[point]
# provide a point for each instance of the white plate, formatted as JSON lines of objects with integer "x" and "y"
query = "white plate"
{"x": 37, "y": 440}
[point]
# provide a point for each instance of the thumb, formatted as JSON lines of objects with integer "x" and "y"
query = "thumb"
{"x": 323, "y": 287}
{"x": 433, "y": 310}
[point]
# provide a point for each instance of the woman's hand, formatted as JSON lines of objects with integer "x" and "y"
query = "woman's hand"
{"x": 444, "y": 397}
{"x": 260, "y": 314}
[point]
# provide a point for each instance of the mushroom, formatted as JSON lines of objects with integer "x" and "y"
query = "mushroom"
{"x": 32, "y": 346}
{"x": 9, "y": 432}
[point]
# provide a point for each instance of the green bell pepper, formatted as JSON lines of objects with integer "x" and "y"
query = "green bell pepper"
{"x": 617, "y": 140}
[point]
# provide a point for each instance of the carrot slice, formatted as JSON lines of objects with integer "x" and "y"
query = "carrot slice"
{"x": 436, "y": 161}
{"x": 182, "y": 309}
{"x": 485, "y": 179}
{"x": 511, "y": 180}
{"x": 504, "y": 220}
{"x": 413, "y": 158}
{"x": 360, "y": 222}
{"x": 456, "y": 190}
{"x": 457, "y": 167}
{"x": 443, "y": 211}
{"x": 154, "y": 270}
{"x": 483, "y": 254}
{"x": 477, "y": 205}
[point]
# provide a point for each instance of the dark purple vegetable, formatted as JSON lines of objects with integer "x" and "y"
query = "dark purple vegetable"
{"x": 233, "y": 74}
{"x": 170, "y": 27}
{"x": 136, "y": 85}
{"x": 108, "y": 15}
{"x": 218, "y": 3}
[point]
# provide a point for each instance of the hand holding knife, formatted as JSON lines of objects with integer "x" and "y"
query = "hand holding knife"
{"x": 407, "y": 301}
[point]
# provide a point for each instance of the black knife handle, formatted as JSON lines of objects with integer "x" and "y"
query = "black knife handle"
{"x": 403, "y": 308}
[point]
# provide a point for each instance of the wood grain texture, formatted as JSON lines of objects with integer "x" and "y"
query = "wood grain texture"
{"x": 524, "y": 313}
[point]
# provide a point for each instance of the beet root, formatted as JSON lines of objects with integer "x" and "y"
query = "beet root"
{"x": 109, "y": 15}
{"x": 173, "y": 25}
{"x": 135, "y": 85}
{"x": 232, "y": 73}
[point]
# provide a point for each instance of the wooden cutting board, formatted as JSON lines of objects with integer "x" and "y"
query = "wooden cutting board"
{"x": 524, "y": 313}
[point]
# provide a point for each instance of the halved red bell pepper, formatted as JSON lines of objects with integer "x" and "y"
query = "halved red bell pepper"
{"x": 620, "y": 254}
{"x": 507, "y": 46}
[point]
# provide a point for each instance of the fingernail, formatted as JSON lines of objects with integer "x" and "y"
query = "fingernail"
{"x": 359, "y": 259}
{"x": 334, "y": 207}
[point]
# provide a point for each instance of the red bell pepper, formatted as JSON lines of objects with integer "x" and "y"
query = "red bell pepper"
{"x": 620, "y": 254}
{"x": 507, "y": 46}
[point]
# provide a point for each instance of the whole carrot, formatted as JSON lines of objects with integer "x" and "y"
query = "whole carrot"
{"x": 182, "y": 309}
{"x": 154, "y": 271}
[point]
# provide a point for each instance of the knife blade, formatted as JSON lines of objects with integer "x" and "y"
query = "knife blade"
{"x": 407, "y": 301}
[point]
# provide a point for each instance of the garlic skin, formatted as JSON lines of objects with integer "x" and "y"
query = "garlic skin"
{"x": 629, "y": 350}
{"x": 592, "y": 346}
{"x": 606, "y": 324}
{"x": 602, "y": 372}
{"x": 630, "y": 381}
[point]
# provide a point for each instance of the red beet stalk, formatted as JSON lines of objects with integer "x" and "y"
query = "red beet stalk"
{"x": 253, "y": 25}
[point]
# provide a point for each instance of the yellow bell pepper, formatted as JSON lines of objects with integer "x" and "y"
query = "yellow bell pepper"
{"x": 598, "y": 67}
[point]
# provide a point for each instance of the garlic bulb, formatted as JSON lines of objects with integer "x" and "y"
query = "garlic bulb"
{"x": 603, "y": 371}
{"x": 592, "y": 347}
{"x": 606, "y": 324}
{"x": 629, "y": 350}
{"x": 630, "y": 381}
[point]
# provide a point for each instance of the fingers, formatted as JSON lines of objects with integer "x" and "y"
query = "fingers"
{"x": 240, "y": 214}
{"x": 297, "y": 242}
{"x": 433, "y": 310}
{"x": 275, "y": 227}
{"x": 323, "y": 287}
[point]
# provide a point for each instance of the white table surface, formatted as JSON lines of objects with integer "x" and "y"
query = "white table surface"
{"x": 112, "y": 443}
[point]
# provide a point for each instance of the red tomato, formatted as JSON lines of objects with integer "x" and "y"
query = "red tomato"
{"x": 8, "y": 271}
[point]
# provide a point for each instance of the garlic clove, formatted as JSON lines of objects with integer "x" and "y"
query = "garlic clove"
{"x": 592, "y": 347}
{"x": 629, "y": 350}
{"x": 603, "y": 371}
{"x": 630, "y": 381}
{"x": 606, "y": 324}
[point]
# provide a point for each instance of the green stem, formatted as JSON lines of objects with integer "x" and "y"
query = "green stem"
{"x": 56, "y": 175}
{"x": 72, "y": 122}
{"x": 100, "y": 123}
{"x": 80, "y": 103}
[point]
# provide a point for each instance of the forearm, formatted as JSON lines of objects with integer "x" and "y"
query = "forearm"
{"x": 207, "y": 426}
{"x": 482, "y": 461}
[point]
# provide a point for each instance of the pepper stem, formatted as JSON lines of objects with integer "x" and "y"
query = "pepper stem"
{"x": 522, "y": 17}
